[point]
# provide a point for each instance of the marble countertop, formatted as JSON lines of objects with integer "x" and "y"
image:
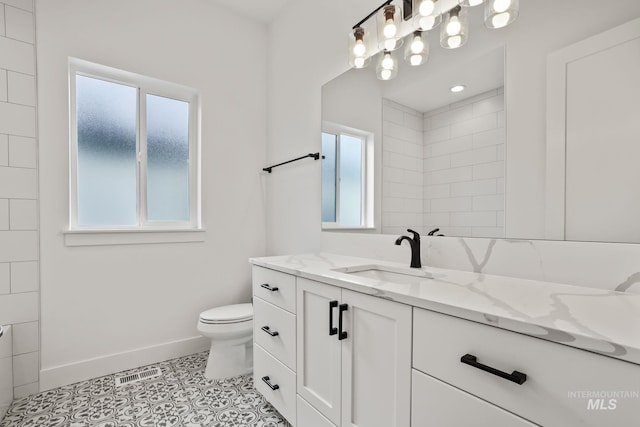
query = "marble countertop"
{"x": 605, "y": 322}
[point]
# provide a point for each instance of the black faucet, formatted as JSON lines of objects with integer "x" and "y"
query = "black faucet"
{"x": 415, "y": 248}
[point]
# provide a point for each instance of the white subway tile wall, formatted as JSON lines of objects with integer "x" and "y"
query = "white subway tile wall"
{"x": 464, "y": 167}
{"x": 445, "y": 168}
{"x": 19, "y": 266}
{"x": 403, "y": 168}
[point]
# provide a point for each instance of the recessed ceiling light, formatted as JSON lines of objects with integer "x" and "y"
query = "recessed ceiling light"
{"x": 457, "y": 88}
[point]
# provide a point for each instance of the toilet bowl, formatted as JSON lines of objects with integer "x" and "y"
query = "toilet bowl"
{"x": 230, "y": 329}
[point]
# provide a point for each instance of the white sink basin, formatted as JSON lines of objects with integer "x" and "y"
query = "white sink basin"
{"x": 412, "y": 276}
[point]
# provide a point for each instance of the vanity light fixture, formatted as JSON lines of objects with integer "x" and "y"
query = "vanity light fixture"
{"x": 453, "y": 32}
{"x": 358, "y": 50}
{"x": 500, "y": 13}
{"x": 427, "y": 16}
{"x": 417, "y": 50}
{"x": 389, "y": 27}
{"x": 457, "y": 88}
{"x": 387, "y": 66}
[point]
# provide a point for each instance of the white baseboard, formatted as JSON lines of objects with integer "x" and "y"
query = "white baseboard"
{"x": 58, "y": 376}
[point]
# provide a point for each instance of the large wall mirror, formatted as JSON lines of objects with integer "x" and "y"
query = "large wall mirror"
{"x": 478, "y": 162}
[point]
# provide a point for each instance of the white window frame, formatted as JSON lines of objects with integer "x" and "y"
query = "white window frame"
{"x": 145, "y": 86}
{"x": 366, "y": 203}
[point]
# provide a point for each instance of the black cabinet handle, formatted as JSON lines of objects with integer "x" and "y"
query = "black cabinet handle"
{"x": 515, "y": 376}
{"x": 342, "y": 309}
{"x": 267, "y": 330}
{"x": 269, "y": 288}
{"x": 271, "y": 386}
{"x": 332, "y": 330}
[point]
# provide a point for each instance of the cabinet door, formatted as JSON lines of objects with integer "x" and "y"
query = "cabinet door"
{"x": 309, "y": 417}
{"x": 318, "y": 355}
{"x": 438, "y": 404}
{"x": 376, "y": 362}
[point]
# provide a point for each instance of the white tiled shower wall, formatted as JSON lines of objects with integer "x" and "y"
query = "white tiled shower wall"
{"x": 445, "y": 168}
{"x": 19, "y": 266}
{"x": 402, "y": 189}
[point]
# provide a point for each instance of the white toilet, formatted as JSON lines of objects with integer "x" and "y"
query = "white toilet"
{"x": 230, "y": 328}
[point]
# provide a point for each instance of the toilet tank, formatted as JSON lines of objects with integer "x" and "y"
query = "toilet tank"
{"x": 6, "y": 370}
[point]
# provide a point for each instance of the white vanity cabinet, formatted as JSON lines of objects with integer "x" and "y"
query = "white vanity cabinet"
{"x": 326, "y": 356}
{"x": 435, "y": 403}
{"x": 274, "y": 338}
{"x": 353, "y": 357}
{"x": 564, "y": 386}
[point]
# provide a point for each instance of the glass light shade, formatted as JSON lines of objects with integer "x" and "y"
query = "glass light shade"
{"x": 388, "y": 23}
{"x": 359, "y": 56}
{"x": 500, "y": 13}
{"x": 470, "y": 3}
{"x": 387, "y": 67}
{"x": 416, "y": 49}
{"x": 422, "y": 22}
{"x": 454, "y": 29}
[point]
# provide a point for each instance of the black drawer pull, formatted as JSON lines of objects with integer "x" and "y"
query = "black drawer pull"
{"x": 515, "y": 376}
{"x": 271, "y": 386}
{"x": 269, "y": 288}
{"x": 332, "y": 330}
{"x": 267, "y": 330}
{"x": 342, "y": 309}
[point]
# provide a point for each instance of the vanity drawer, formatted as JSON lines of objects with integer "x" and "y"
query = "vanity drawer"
{"x": 269, "y": 320}
{"x": 267, "y": 369}
{"x": 435, "y": 403}
{"x": 275, "y": 287}
{"x": 563, "y": 384}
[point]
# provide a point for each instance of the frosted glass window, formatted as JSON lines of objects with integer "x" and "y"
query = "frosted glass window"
{"x": 106, "y": 117}
{"x": 343, "y": 179}
{"x": 134, "y": 151}
{"x": 167, "y": 159}
{"x": 350, "y": 180}
{"x": 329, "y": 142}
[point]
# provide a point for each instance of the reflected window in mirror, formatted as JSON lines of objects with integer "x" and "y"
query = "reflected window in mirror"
{"x": 345, "y": 178}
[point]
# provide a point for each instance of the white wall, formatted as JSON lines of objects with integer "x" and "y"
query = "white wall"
{"x": 107, "y": 308}
{"x": 300, "y": 65}
{"x": 354, "y": 100}
{"x": 19, "y": 281}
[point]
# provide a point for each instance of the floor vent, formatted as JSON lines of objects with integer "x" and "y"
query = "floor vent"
{"x": 138, "y": 376}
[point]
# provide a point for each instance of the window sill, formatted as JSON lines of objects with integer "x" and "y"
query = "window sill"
{"x": 131, "y": 237}
{"x": 333, "y": 227}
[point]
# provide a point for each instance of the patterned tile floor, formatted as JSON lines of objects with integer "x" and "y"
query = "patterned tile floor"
{"x": 182, "y": 396}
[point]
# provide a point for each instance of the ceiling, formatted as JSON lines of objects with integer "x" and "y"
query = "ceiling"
{"x": 260, "y": 10}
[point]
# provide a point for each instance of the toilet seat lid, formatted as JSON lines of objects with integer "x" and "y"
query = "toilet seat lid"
{"x": 228, "y": 314}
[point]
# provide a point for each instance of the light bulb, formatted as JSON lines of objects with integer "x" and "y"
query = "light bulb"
{"x": 385, "y": 74}
{"x": 426, "y": 7}
{"x": 390, "y": 44}
{"x": 501, "y": 5}
{"x": 454, "y": 26}
{"x": 457, "y": 88}
{"x": 417, "y": 45}
{"x": 390, "y": 28}
{"x": 359, "y": 48}
{"x": 387, "y": 62}
{"x": 475, "y": 2}
{"x": 427, "y": 22}
{"x": 500, "y": 20}
{"x": 415, "y": 59}
{"x": 454, "y": 42}
{"x": 358, "y": 62}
